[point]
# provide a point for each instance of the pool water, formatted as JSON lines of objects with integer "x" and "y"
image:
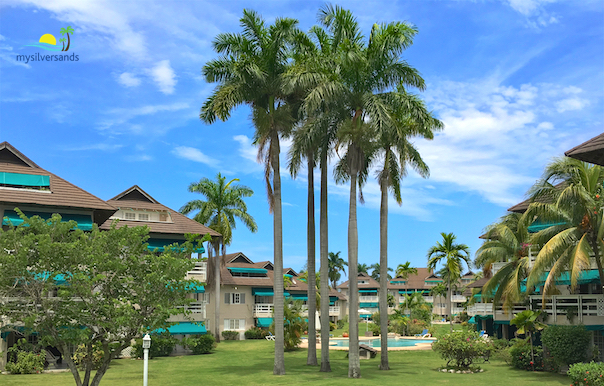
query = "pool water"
{"x": 376, "y": 342}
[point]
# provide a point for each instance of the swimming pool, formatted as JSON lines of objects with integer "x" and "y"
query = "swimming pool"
{"x": 375, "y": 342}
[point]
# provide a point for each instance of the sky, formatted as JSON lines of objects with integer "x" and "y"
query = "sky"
{"x": 515, "y": 82}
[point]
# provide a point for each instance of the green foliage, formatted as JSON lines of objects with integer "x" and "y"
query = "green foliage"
{"x": 583, "y": 374}
{"x": 340, "y": 324}
{"x": 24, "y": 358}
{"x": 85, "y": 355}
{"x": 230, "y": 335}
{"x": 293, "y": 325}
{"x": 161, "y": 346}
{"x": 521, "y": 357}
{"x": 256, "y": 333}
{"x": 461, "y": 348}
{"x": 566, "y": 344}
{"x": 200, "y": 344}
{"x": 399, "y": 325}
{"x": 422, "y": 312}
{"x": 332, "y": 326}
{"x": 416, "y": 326}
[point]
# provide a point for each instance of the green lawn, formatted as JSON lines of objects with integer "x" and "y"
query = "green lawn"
{"x": 251, "y": 363}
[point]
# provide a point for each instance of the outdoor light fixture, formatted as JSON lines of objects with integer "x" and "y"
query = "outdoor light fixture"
{"x": 146, "y": 346}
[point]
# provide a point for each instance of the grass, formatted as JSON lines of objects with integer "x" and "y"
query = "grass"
{"x": 251, "y": 363}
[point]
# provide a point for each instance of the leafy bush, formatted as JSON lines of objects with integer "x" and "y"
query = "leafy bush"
{"x": 422, "y": 312}
{"x": 582, "y": 374}
{"x": 80, "y": 357}
{"x": 520, "y": 354}
{"x": 461, "y": 348}
{"x": 256, "y": 333}
{"x": 332, "y": 326}
{"x": 399, "y": 325}
{"x": 25, "y": 361}
{"x": 200, "y": 344}
{"x": 566, "y": 344}
{"x": 230, "y": 335}
{"x": 340, "y": 324}
{"x": 416, "y": 326}
{"x": 161, "y": 346}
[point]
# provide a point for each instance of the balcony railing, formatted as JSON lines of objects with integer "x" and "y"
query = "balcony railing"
{"x": 368, "y": 299}
{"x": 480, "y": 309}
{"x": 429, "y": 299}
{"x": 586, "y": 309}
{"x": 458, "y": 298}
{"x": 334, "y": 310}
{"x": 500, "y": 314}
{"x": 263, "y": 310}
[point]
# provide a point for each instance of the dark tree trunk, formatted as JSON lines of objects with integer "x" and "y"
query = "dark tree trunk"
{"x": 324, "y": 256}
{"x": 311, "y": 359}
{"x": 68, "y": 42}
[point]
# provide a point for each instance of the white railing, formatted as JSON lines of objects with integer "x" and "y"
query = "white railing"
{"x": 480, "y": 309}
{"x": 334, "y": 310}
{"x": 457, "y": 310}
{"x": 500, "y": 314}
{"x": 458, "y": 298}
{"x": 368, "y": 299}
{"x": 429, "y": 299}
{"x": 579, "y": 308}
{"x": 196, "y": 308}
{"x": 263, "y": 310}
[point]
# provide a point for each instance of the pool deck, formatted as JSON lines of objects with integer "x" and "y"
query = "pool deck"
{"x": 418, "y": 347}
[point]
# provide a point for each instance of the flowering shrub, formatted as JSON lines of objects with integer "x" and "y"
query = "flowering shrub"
{"x": 521, "y": 357}
{"x": 24, "y": 361}
{"x": 461, "y": 348}
{"x": 80, "y": 357}
{"x": 582, "y": 374}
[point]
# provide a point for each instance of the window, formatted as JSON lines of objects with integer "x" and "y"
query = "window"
{"x": 234, "y": 324}
{"x": 202, "y": 297}
{"x": 143, "y": 216}
{"x": 130, "y": 216}
{"x": 234, "y": 298}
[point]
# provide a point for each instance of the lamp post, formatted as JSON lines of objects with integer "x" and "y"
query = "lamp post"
{"x": 146, "y": 345}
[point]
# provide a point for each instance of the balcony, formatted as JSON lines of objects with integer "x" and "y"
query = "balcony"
{"x": 368, "y": 299}
{"x": 429, "y": 299}
{"x": 571, "y": 309}
{"x": 334, "y": 310}
{"x": 263, "y": 310}
{"x": 480, "y": 309}
{"x": 458, "y": 298}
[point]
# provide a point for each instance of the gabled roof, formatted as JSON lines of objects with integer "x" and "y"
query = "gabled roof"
{"x": 371, "y": 282}
{"x": 591, "y": 151}
{"x": 523, "y": 206}
{"x": 63, "y": 194}
{"x": 136, "y": 198}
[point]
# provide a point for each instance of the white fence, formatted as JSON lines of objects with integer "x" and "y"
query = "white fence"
{"x": 263, "y": 310}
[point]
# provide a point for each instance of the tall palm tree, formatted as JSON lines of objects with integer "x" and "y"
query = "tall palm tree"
{"x": 507, "y": 242}
{"x": 336, "y": 265}
{"x": 304, "y": 147}
{"x": 63, "y": 40}
{"x": 363, "y": 268}
{"x": 250, "y": 71}
{"x": 576, "y": 214}
{"x": 67, "y": 31}
{"x": 376, "y": 272}
{"x": 453, "y": 256}
{"x": 224, "y": 203}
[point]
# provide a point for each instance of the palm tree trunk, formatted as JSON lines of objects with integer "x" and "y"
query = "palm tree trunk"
{"x": 596, "y": 250}
{"x": 324, "y": 255}
{"x": 68, "y": 42}
{"x": 532, "y": 353}
{"x": 217, "y": 298}
{"x": 279, "y": 368}
{"x": 450, "y": 295}
{"x": 311, "y": 359}
{"x": 354, "y": 364}
{"x": 384, "y": 274}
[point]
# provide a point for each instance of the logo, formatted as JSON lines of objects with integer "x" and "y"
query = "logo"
{"x": 48, "y": 42}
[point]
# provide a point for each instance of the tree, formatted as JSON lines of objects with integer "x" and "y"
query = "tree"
{"x": 77, "y": 288}
{"x": 375, "y": 273}
{"x": 67, "y": 31}
{"x": 363, "y": 268}
{"x": 527, "y": 323}
{"x": 224, "y": 203}
{"x": 405, "y": 270}
{"x": 575, "y": 212}
{"x": 508, "y": 242}
{"x": 250, "y": 71}
{"x": 63, "y": 40}
{"x": 453, "y": 255}
{"x": 336, "y": 265}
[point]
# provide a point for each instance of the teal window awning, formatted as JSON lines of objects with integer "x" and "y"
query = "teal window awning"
{"x": 247, "y": 270}
{"x": 266, "y": 292}
{"x": 288, "y": 275}
{"x": 84, "y": 221}
{"x": 196, "y": 288}
{"x": 368, "y": 305}
{"x": 300, "y": 297}
{"x": 159, "y": 245}
{"x": 411, "y": 291}
{"x": 264, "y": 322}
{"x": 184, "y": 328}
{"x": 472, "y": 320}
{"x": 585, "y": 277}
{"x": 19, "y": 179}
{"x": 398, "y": 282}
{"x": 539, "y": 226}
{"x": 373, "y": 291}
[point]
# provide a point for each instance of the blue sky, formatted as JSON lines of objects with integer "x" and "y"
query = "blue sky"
{"x": 515, "y": 82}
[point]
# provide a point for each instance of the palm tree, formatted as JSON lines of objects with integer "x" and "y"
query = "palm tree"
{"x": 405, "y": 270}
{"x": 453, "y": 255}
{"x": 67, "y": 31}
{"x": 576, "y": 214}
{"x": 224, "y": 203}
{"x": 527, "y": 323}
{"x": 304, "y": 145}
{"x": 508, "y": 242}
{"x": 63, "y": 40}
{"x": 336, "y": 265}
{"x": 251, "y": 72}
{"x": 363, "y": 268}
{"x": 376, "y": 272}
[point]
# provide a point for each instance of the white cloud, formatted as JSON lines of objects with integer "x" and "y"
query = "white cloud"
{"x": 246, "y": 149}
{"x": 129, "y": 80}
{"x": 570, "y": 104}
{"x": 192, "y": 154}
{"x": 164, "y": 76}
{"x": 120, "y": 117}
{"x": 95, "y": 146}
{"x": 534, "y": 11}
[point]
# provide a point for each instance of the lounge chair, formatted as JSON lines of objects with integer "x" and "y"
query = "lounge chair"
{"x": 424, "y": 333}
{"x": 270, "y": 336}
{"x": 483, "y": 334}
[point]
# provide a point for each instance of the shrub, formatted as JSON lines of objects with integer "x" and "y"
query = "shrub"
{"x": 416, "y": 326}
{"x": 80, "y": 357}
{"x": 566, "y": 344}
{"x": 230, "y": 335}
{"x": 25, "y": 361}
{"x": 200, "y": 344}
{"x": 256, "y": 333}
{"x": 461, "y": 348}
{"x": 340, "y": 324}
{"x": 520, "y": 354}
{"x": 582, "y": 374}
{"x": 422, "y": 312}
{"x": 332, "y": 326}
{"x": 161, "y": 346}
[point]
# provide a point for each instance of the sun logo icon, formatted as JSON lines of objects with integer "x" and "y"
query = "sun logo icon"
{"x": 49, "y": 42}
